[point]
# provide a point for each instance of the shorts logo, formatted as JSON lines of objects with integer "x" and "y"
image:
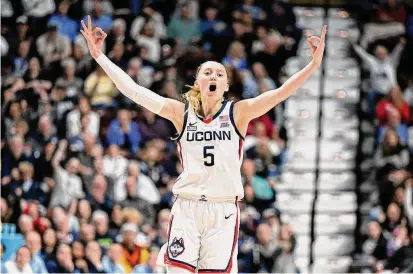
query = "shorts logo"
{"x": 225, "y": 124}
{"x": 176, "y": 247}
{"x": 192, "y": 126}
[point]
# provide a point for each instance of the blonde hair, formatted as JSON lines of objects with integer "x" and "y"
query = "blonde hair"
{"x": 193, "y": 96}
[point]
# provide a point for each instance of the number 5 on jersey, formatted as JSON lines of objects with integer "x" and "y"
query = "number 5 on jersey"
{"x": 208, "y": 156}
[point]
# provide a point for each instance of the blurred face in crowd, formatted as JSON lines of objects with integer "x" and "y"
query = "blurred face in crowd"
{"x": 93, "y": 249}
{"x": 374, "y": 230}
{"x": 4, "y": 208}
{"x": 45, "y": 125}
{"x": 399, "y": 195}
{"x": 72, "y": 166}
{"x": 49, "y": 237}
{"x": 25, "y": 224}
{"x": 115, "y": 252}
{"x": 70, "y": 69}
{"x": 16, "y": 146}
{"x": 259, "y": 70}
{"x": 391, "y": 138}
{"x": 118, "y": 50}
{"x": 33, "y": 242}
{"x": 381, "y": 53}
{"x": 22, "y": 257}
{"x": 134, "y": 66}
{"x": 63, "y": 254}
{"x": 185, "y": 12}
{"x": 87, "y": 232}
{"x": 239, "y": 28}
{"x": 147, "y": 30}
{"x": 131, "y": 186}
{"x": 212, "y": 81}
{"x": 262, "y": 147}
{"x": 170, "y": 89}
{"x": 394, "y": 118}
{"x": 118, "y": 27}
{"x": 24, "y": 48}
{"x": 124, "y": 117}
{"x": 149, "y": 116}
{"x": 271, "y": 44}
{"x": 249, "y": 192}
{"x": 78, "y": 251}
{"x": 261, "y": 32}
{"x": 117, "y": 215}
{"x": 393, "y": 212}
{"x": 63, "y": 8}
{"x": 84, "y": 209}
{"x": 113, "y": 150}
{"x": 285, "y": 232}
{"x": 264, "y": 234}
{"x": 260, "y": 130}
{"x": 99, "y": 186}
{"x": 26, "y": 171}
{"x": 129, "y": 238}
{"x": 78, "y": 52}
{"x": 101, "y": 224}
{"x": 237, "y": 50}
{"x": 84, "y": 106}
{"x": 211, "y": 14}
{"x": 89, "y": 141}
{"x": 97, "y": 9}
{"x": 248, "y": 168}
{"x": 15, "y": 111}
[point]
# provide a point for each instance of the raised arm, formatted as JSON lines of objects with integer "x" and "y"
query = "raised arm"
{"x": 168, "y": 108}
{"x": 246, "y": 110}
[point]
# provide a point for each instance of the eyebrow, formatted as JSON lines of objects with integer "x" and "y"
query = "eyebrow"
{"x": 212, "y": 69}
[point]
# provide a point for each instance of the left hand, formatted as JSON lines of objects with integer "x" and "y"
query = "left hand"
{"x": 317, "y": 45}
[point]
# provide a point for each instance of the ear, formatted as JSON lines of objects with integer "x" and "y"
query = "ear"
{"x": 227, "y": 88}
{"x": 196, "y": 84}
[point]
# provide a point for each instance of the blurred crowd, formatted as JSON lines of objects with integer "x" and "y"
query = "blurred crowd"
{"x": 386, "y": 52}
{"x": 86, "y": 173}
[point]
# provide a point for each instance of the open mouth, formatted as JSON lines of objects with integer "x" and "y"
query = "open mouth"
{"x": 212, "y": 87}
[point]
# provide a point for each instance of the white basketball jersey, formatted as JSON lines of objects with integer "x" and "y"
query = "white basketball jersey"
{"x": 211, "y": 155}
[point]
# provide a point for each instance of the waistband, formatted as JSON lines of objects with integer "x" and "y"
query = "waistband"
{"x": 204, "y": 198}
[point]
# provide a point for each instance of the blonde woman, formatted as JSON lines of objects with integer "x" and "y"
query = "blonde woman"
{"x": 236, "y": 56}
{"x": 205, "y": 216}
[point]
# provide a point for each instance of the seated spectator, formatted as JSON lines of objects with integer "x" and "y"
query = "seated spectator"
{"x": 65, "y": 25}
{"x": 402, "y": 258}
{"x": 84, "y": 211}
{"x": 133, "y": 201}
{"x": 119, "y": 35}
{"x": 111, "y": 261}
{"x": 93, "y": 259}
{"x": 25, "y": 224}
{"x": 98, "y": 15}
{"x": 21, "y": 61}
{"x": 87, "y": 233}
{"x": 266, "y": 157}
{"x": 78, "y": 251}
{"x": 73, "y": 120}
{"x": 103, "y": 236}
{"x": 390, "y": 20}
{"x": 98, "y": 198}
{"x": 72, "y": 83}
{"x": 151, "y": 16}
{"x": 81, "y": 58}
{"x": 236, "y": 56}
{"x": 254, "y": 11}
{"x": 52, "y": 46}
{"x": 394, "y": 123}
{"x": 393, "y": 219}
{"x": 392, "y": 151}
{"x": 162, "y": 228}
{"x": 12, "y": 156}
{"x": 133, "y": 254}
{"x": 148, "y": 39}
{"x": 49, "y": 247}
{"x": 393, "y": 100}
{"x": 154, "y": 127}
{"x": 124, "y": 133}
{"x": 46, "y": 134}
{"x": 211, "y": 25}
{"x": 34, "y": 243}
{"x": 38, "y": 9}
{"x": 376, "y": 244}
{"x": 21, "y": 264}
{"x": 63, "y": 262}
{"x": 150, "y": 266}
{"x": 142, "y": 75}
{"x": 106, "y": 6}
{"x": 192, "y": 32}
{"x": 115, "y": 168}
{"x": 24, "y": 187}
{"x": 117, "y": 55}
{"x": 100, "y": 89}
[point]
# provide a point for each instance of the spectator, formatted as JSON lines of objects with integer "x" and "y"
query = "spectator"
{"x": 65, "y": 25}
{"x": 52, "y": 46}
{"x": 392, "y": 151}
{"x": 93, "y": 258}
{"x": 376, "y": 243}
{"x": 46, "y": 134}
{"x": 100, "y": 89}
{"x": 111, "y": 261}
{"x": 124, "y": 133}
{"x": 117, "y": 55}
{"x": 394, "y": 123}
{"x": 133, "y": 201}
{"x": 211, "y": 25}
{"x": 115, "y": 167}
{"x": 154, "y": 127}
{"x": 34, "y": 243}
{"x": 152, "y": 17}
{"x": 63, "y": 262}
{"x": 72, "y": 83}
{"x": 87, "y": 233}
{"x": 73, "y": 120}
{"x": 382, "y": 70}
{"x": 100, "y": 17}
{"x": 254, "y": 11}
{"x": 84, "y": 212}
{"x": 98, "y": 198}
{"x": 68, "y": 184}
{"x": 151, "y": 266}
{"x": 192, "y": 32}
{"x": 393, "y": 100}
{"x": 25, "y": 224}
{"x": 20, "y": 264}
{"x": 49, "y": 247}
{"x": 119, "y": 35}
{"x": 101, "y": 222}
{"x": 38, "y": 9}
{"x": 142, "y": 75}
{"x": 106, "y": 6}
{"x": 391, "y": 17}
{"x": 21, "y": 61}
{"x": 236, "y": 56}
{"x": 133, "y": 254}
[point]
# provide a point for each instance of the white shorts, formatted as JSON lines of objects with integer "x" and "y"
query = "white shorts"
{"x": 203, "y": 236}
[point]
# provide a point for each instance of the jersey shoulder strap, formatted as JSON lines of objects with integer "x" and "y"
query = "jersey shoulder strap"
{"x": 231, "y": 117}
{"x": 186, "y": 114}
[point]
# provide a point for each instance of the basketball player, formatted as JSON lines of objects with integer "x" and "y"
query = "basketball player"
{"x": 204, "y": 222}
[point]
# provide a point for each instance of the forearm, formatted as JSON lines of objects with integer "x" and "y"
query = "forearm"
{"x": 129, "y": 88}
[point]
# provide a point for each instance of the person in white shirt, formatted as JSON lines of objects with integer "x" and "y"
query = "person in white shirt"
{"x": 73, "y": 120}
{"x": 115, "y": 167}
{"x": 20, "y": 264}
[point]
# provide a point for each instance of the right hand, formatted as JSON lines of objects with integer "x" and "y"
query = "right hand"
{"x": 94, "y": 41}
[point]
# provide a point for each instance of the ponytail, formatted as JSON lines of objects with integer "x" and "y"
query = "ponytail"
{"x": 193, "y": 97}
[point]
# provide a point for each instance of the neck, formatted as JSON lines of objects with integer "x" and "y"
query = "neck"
{"x": 210, "y": 108}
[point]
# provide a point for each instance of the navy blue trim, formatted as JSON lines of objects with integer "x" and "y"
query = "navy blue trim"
{"x": 231, "y": 117}
{"x": 167, "y": 248}
{"x": 185, "y": 121}
{"x": 224, "y": 103}
{"x": 232, "y": 247}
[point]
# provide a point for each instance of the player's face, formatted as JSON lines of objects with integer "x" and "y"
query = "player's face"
{"x": 212, "y": 80}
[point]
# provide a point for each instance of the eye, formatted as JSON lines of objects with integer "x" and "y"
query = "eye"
{"x": 221, "y": 75}
{"x": 207, "y": 73}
